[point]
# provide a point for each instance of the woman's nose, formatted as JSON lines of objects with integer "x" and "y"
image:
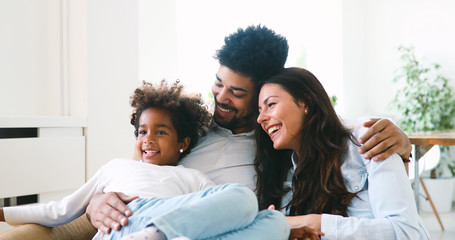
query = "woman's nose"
{"x": 261, "y": 118}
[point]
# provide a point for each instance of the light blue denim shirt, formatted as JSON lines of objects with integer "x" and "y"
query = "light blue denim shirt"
{"x": 385, "y": 207}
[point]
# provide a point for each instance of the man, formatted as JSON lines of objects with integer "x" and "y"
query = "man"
{"x": 226, "y": 153}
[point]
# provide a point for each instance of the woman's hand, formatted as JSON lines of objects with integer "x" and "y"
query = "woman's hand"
{"x": 304, "y": 233}
{"x": 109, "y": 210}
{"x": 305, "y": 227}
{"x": 383, "y": 139}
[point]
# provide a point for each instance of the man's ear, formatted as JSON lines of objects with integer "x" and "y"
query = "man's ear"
{"x": 185, "y": 143}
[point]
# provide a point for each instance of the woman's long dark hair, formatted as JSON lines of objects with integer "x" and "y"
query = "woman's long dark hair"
{"x": 317, "y": 184}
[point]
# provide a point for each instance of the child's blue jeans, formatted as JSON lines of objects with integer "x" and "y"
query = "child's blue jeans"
{"x": 223, "y": 212}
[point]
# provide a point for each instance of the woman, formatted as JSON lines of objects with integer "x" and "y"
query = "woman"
{"x": 334, "y": 189}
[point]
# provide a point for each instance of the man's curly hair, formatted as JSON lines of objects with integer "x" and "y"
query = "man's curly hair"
{"x": 255, "y": 52}
{"x": 188, "y": 113}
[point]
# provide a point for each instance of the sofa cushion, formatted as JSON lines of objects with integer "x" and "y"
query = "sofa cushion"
{"x": 78, "y": 229}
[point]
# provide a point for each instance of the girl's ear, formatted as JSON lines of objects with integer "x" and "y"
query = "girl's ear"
{"x": 185, "y": 143}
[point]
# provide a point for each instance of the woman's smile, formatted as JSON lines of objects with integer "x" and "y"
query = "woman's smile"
{"x": 280, "y": 116}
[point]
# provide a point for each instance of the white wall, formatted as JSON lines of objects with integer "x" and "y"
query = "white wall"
{"x": 72, "y": 58}
{"x": 189, "y": 32}
{"x": 112, "y": 38}
{"x": 354, "y": 54}
{"x": 352, "y": 42}
{"x": 43, "y": 60}
{"x": 350, "y": 45}
{"x": 77, "y": 73}
{"x": 372, "y": 32}
{"x": 157, "y": 40}
{"x": 30, "y": 56}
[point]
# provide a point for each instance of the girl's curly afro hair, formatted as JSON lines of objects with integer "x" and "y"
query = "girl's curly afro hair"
{"x": 188, "y": 113}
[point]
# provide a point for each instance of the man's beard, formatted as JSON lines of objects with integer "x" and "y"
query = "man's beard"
{"x": 234, "y": 123}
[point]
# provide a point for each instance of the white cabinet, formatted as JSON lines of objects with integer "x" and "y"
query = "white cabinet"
{"x": 51, "y": 160}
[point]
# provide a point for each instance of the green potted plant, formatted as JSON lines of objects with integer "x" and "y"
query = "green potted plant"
{"x": 426, "y": 103}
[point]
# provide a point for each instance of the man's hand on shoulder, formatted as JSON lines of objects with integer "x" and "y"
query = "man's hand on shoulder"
{"x": 383, "y": 139}
{"x": 108, "y": 211}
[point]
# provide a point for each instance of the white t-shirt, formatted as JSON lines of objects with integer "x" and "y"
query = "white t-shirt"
{"x": 225, "y": 157}
{"x": 130, "y": 177}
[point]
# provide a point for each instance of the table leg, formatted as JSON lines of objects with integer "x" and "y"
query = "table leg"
{"x": 416, "y": 176}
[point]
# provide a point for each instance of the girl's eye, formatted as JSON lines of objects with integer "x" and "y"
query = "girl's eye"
{"x": 271, "y": 104}
{"x": 160, "y": 132}
{"x": 142, "y": 132}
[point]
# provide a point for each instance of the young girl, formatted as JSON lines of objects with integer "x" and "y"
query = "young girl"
{"x": 174, "y": 201}
{"x": 334, "y": 189}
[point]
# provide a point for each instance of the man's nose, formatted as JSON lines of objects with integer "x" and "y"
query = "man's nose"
{"x": 223, "y": 96}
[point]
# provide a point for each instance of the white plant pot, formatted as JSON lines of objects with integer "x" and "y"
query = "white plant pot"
{"x": 453, "y": 198}
{"x": 441, "y": 191}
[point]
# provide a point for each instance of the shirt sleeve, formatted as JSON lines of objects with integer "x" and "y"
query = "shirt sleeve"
{"x": 56, "y": 213}
{"x": 205, "y": 182}
{"x": 392, "y": 205}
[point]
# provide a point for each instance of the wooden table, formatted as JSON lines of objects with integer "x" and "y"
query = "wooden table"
{"x": 428, "y": 138}
{"x": 433, "y": 138}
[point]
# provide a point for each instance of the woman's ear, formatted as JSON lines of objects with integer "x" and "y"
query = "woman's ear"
{"x": 303, "y": 106}
{"x": 185, "y": 143}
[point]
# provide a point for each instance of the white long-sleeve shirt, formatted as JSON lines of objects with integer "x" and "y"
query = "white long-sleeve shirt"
{"x": 130, "y": 177}
{"x": 225, "y": 157}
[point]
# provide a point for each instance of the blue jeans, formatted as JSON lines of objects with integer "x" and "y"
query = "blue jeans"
{"x": 223, "y": 212}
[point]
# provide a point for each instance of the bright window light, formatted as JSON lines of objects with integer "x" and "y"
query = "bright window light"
{"x": 313, "y": 30}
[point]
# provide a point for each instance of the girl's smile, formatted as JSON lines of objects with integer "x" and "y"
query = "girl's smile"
{"x": 157, "y": 140}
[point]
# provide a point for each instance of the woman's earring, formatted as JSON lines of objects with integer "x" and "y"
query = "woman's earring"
{"x": 306, "y": 111}
{"x": 181, "y": 150}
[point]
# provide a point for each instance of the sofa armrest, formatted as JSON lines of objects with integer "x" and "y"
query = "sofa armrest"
{"x": 78, "y": 229}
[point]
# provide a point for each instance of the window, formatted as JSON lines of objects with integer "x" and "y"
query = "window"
{"x": 197, "y": 29}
